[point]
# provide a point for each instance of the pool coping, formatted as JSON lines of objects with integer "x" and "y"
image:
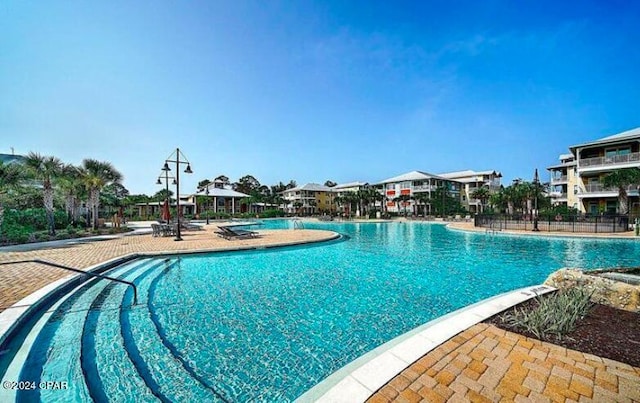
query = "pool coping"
{"x": 12, "y": 317}
{"x": 362, "y": 377}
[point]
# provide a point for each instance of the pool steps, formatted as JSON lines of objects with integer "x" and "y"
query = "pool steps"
{"x": 76, "y": 302}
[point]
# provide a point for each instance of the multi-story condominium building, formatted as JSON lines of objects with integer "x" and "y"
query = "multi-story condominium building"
{"x": 411, "y": 184}
{"x": 471, "y": 181}
{"x": 563, "y": 188}
{"x": 310, "y": 198}
{"x": 580, "y": 175}
{"x": 344, "y": 189}
{"x": 597, "y": 158}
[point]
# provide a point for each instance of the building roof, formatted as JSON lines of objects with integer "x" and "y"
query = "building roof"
{"x": 412, "y": 176}
{"x": 313, "y": 187}
{"x": 628, "y": 135}
{"x": 220, "y": 192}
{"x": 10, "y": 158}
{"x": 566, "y": 157}
{"x": 468, "y": 172}
{"x": 349, "y": 185}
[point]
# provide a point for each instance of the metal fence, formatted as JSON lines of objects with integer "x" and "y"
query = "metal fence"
{"x": 560, "y": 223}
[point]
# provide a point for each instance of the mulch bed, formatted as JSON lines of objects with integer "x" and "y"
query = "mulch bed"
{"x": 606, "y": 332}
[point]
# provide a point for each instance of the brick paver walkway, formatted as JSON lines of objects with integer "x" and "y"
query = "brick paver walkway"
{"x": 487, "y": 364}
{"x": 18, "y": 281}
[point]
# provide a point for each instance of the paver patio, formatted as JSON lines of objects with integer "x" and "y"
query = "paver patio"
{"x": 18, "y": 281}
{"x": 487, "y": 364}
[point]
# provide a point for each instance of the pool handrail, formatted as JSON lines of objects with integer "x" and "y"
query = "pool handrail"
{"x": 88, "y": 273}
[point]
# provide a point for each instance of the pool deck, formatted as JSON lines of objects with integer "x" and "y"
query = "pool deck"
{"x": 480, "y": 363}
{"x": 20, "y": 280}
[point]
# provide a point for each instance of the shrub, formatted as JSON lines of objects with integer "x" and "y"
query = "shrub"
{"x": 272, "y": 213}
{"x": 16, "y": 234}
{"x": 555, "y": 314}
{"x": 71, "y": 230}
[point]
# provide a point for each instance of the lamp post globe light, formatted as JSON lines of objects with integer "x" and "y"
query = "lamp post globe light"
{"x": 536, "y": 184}
{"x": 187, "y": 170}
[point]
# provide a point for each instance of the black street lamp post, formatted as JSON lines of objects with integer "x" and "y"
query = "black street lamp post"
{"x": 177, "y": 182}
{"x": 206, "y": 208}
{"x": 536, "y": 184}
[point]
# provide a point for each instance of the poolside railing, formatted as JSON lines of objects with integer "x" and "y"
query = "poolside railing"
{"x": 610, "y": 223}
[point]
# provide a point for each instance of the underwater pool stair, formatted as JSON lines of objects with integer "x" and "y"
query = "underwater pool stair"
{"x": 89, "y": 340}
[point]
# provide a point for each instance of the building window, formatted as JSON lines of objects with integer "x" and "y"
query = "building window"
{"x": 405, "y": 185}
{"x": 390, "y": 186}
{"x": 612, "y": 152}
{"x": 611, "y": 206}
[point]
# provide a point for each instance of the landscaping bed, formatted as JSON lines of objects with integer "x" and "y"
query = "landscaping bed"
{"x": 43, "y": 236}
{"x": 604, "y": 331}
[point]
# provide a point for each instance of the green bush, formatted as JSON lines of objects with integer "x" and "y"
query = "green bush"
{"x": 16, "y": 234}
{"x": 35, "y": 218}
{"x": 555, "y": 314}
{"x": 272, "y": 213}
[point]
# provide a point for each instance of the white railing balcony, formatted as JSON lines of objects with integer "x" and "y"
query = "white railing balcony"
{"x": 599, "y": 188}
{"x": 424, "y": 188}
{"x": 558, "y": 195}
{"x": 558, "y": 179}
{"x": 612, "y": 160}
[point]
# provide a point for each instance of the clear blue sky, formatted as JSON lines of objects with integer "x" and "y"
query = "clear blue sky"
{"x": 312, "y": 91}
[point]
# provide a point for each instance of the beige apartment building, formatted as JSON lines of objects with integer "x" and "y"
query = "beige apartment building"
{"x": 471, "y": 181}
{"x": 577, "y": 180}
{"x": 309, "y": 199}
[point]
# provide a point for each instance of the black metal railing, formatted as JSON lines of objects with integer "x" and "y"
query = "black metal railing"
{"x": 86, "y": 273}
{"x": 608, "y": 223}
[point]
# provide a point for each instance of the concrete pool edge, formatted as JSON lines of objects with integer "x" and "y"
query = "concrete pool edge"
{"x": 362, "y": 377}
{"x": 20, "y": 312}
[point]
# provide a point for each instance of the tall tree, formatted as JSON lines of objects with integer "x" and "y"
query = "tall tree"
{"x": 482, "y": 194}
{"x": 95, "y": 176}
{"x": 11, "y": 176}
{"x": 203, "y": 184}
{"x": 45, "y": 169}
{"x": 622, "y": 179}
{"x": 72, "y": 189}
{"x": 248, "y": 185}
{"x": 162, "y": 195}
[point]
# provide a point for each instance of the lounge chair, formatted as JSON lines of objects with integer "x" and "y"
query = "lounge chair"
{"x": 228, "y": 233}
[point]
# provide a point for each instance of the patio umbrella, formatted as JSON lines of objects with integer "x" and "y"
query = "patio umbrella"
{"x": 166, "y": 213}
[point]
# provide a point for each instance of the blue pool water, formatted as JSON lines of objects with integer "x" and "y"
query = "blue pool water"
{"x": 268, "y": 325}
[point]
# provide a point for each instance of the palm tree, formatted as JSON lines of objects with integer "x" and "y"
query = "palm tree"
{"x": 375, "y": 196}
{"x": 422, "y": 198}
{"x": 45, "y": 169}
{"x": 95, "y": 176}
{"x": 482, "y": 194}
{"x": 621, "y": 179}
{"x": 338, "y": 201}
{"x": 70, "y": 184}
{"x": 11, "y": 176}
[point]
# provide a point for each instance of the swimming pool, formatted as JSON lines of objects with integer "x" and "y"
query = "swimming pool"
{"x": 268, "y": 325}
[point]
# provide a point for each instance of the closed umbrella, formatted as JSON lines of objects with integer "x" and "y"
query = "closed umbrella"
{"x": 166, "y": 213}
